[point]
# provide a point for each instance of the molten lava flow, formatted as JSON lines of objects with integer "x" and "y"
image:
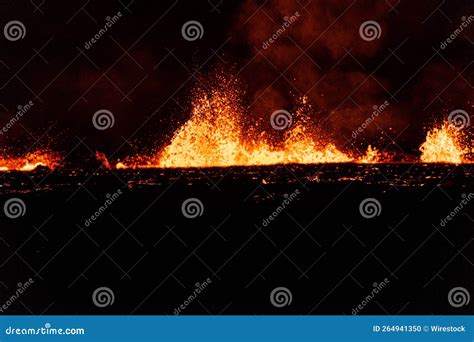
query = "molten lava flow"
{"x": 29, "y": 161}
{"x": 209, "y": 138}
{"x": 443, "y": 145}
{"x": 371, "y": 156}
{"x": 221, "y": 133}
{"x": 102, "y": 158}
{"x": 214, "y": 137}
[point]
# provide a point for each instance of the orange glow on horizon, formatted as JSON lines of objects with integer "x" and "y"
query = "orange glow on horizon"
{"x": 30, "y": 161}
{"x": 221, "y": 133}
{"x": 215, "y": 136}
{"x": 444, "y": 145}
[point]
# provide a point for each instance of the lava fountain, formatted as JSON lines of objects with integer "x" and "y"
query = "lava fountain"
{"x": 444, "y": 144}
{"x": 215, "y": 136}
{"x": 30, "y": 161}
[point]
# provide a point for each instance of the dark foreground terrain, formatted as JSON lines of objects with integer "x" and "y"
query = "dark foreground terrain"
{"x": 154, "y": 257}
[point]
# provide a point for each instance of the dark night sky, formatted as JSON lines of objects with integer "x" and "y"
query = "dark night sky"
{"x": 141, "y": 68}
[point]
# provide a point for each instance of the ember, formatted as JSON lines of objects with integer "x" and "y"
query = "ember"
{"x": 215, "y": 136}
{"x": 30, "y": 161}
{"x": 444, "y": 145}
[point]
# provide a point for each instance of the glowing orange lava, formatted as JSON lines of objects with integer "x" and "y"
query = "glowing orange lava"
{"x": 444, "y": 145}
{"x": 221, "y": 133}
{"x": 371, "y": 156}
{"x": 29, "y": 161}
{"x": 214, "y": 137}
{"x": 102, "y": 158}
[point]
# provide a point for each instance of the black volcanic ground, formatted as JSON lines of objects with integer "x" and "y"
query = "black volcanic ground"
{"x": 319, "y": 246}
